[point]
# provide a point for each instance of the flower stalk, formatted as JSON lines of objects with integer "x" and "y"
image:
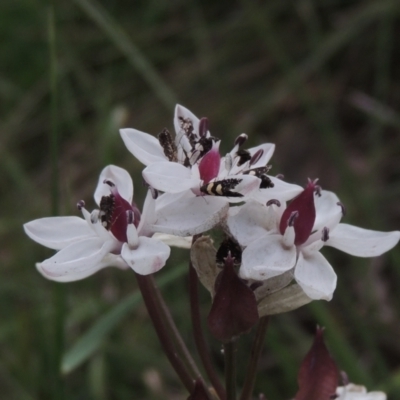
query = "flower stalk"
{"x": 198, "y": 334}
{"x": 147, "y": 288}
{"x": 258, "y": 345}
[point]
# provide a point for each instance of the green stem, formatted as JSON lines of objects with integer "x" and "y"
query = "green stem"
{"x": 230, "y": 369}
{"x": 147, "y": 288}
{"x": 258, "y": 345}
{"x": 198, "y": 334}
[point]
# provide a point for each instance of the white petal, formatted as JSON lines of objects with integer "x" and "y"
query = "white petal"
{"x": 358, "y": 392}
{"x": 184, "y": 113}
{"x": 120, "y": 178}
{"x": 148, "y": 215}
{"x": 249, "y": 223}
{"x": 175, "y": 241}
{"x": 58, "y": 232}
{"x": 187, "y": 217}
{"x": 149, "y": 257}
{"x": 109, "y": 260}
{"x": 281, "y": 191}
{"x": 362, "y": 242}
{"x": 144, "y": 147}
{"x": 266, "y": 257}
{"x": 75, "y": 260}
{"x": 315, "y": 276}
{"x": 169, "y": 177}
{"x": 327, "y": 211}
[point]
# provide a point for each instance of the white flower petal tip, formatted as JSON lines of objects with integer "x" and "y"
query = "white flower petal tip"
{"x": 120, "y": 178}
{"x": 76, "y": 261}
{"x": 362, "y": 242}
{"x": 315, "y": 276}
{"x": 144, "y": 147}
{"x": 58, "y": 232}
{"x": 266, "y": 258}
{"x": 174, "y": 241}
{"x": 358, "y": 392}
{"x": 182, "y": 113}
{"x": 149, "y": 257}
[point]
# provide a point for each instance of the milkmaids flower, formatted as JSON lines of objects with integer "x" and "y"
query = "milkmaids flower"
{"x": 357, "y": 392}
{"x": 192, "y": 162}
{"x": 278, "y": 239}
{"x": 115, "y": 235}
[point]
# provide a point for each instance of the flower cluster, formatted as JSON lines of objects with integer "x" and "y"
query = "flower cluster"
{"x": 274, "y": 230}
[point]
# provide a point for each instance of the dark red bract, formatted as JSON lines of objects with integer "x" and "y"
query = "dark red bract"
{"x": 304, "y": 206}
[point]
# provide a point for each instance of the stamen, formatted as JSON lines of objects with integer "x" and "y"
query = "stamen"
{"x": 292, "y": 218}
{"x": 256, "y": 156}
{"x": 240, "y": 140}
{"x": 280, "y": 176}
{"x": 80, "y": 204}
{"x": 276, "y": 202}
{"x": 342, "y": 206}
{"x": 94, "y": 216}
{"x": 154, "y": 192}
{"x": 203, "y": 127}
{"x": 325, "y": 234}
{"x": 318, "y": 190}
{"x": 130, "y": 216}
{"x": 109, "y": 183}
{"x": 131, "y": 231}
{"x": 228, "y": 162}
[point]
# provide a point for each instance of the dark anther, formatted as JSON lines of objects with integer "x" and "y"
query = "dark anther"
{"x": 109, "y": 183}
{"x": 280, "y": 176}
{"x": 274, "y": 201}
{"x": 318, "y": 190}
{"x": 241, "y": 139}
{"x": 203, "y": 127}
{"x": 341, "y": 205}
{"x": 255, "y": 285}
{"x": 130, "y": 217}
{"x": 80, "y": 204}
{"x": 256, "y": 156}
{"x": 325, "y": 234}
{"x": 292, "y": 218}
{"x": 333, "y": 396}
{"x": 154, "y": 192}
{"x": 344, "y": 378}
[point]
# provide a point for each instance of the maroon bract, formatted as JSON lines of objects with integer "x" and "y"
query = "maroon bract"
{"x": 318, "y": 376}
{"x": 234, "y": 309}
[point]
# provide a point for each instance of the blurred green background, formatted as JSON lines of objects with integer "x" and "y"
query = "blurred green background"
{"x": 320, "y": 78}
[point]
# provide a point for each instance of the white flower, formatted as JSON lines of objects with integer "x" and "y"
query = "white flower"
{"x": 278, "y": 239}
{"x": 356, "y": 392}
{"x": 115, "y": 234}
{"x": 192, "y": 162}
